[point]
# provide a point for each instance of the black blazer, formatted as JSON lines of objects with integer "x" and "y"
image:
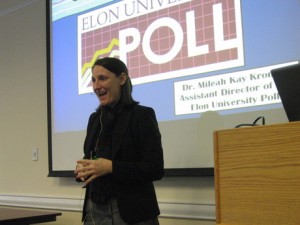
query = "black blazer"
{"x": 137, "y": 158}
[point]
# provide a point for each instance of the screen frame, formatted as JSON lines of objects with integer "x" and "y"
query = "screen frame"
{"x": 170, "y": 172}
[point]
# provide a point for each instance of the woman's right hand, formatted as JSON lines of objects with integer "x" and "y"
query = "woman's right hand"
{"x": 78, "y": 174}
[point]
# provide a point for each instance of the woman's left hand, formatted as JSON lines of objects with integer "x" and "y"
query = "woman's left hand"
{"x": 91, "y": 169}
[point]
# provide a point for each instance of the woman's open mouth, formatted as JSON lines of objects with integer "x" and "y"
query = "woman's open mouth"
{"x": 101, "y": 93}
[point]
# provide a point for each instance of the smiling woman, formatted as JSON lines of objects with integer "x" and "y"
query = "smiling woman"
{"x": 110, "y": 79}
{"x": 122, "y": 152}
{"x": 107, "y": 85}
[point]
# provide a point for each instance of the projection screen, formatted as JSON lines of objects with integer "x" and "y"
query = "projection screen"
{"x": 203, "y": 65}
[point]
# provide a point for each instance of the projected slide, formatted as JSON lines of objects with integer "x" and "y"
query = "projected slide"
{"x": 201, "y": 64}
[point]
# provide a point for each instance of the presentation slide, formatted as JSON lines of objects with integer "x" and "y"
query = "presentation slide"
{"x": 202, "y": 65}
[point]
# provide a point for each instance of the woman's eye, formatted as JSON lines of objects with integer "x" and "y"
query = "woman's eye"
{"x": 100, "y": 78}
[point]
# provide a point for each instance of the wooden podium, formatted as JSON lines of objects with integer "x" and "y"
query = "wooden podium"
{"x": 257, "y": 175}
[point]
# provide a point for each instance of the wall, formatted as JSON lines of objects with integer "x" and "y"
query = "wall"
{"x": 23, "y": 119}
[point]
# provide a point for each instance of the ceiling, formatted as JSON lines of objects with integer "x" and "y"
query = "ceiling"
{"x": 8, "y": 6}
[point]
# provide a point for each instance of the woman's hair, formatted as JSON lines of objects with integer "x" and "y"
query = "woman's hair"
{"x": 117, "y": 67}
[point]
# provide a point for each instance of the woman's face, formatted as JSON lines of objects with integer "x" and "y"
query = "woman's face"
{"x": 106, "y": 85}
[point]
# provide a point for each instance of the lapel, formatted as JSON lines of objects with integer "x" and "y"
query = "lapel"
{"x": 94, "y": 128}
{"x": 119, "y": 130}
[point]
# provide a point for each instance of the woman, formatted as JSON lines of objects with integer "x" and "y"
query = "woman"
{"x": 122, "y": 153}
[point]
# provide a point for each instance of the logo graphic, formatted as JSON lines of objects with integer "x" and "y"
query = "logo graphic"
{"x": 160, "y": 40}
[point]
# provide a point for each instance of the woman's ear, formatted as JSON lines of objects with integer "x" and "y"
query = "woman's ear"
{"x": 123, "y": 78}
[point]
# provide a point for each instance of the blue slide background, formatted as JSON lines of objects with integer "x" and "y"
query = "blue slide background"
{"x": 271, "y": 36}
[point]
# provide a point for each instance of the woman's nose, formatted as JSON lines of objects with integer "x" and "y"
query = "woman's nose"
{"x": 96, "y": 84}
